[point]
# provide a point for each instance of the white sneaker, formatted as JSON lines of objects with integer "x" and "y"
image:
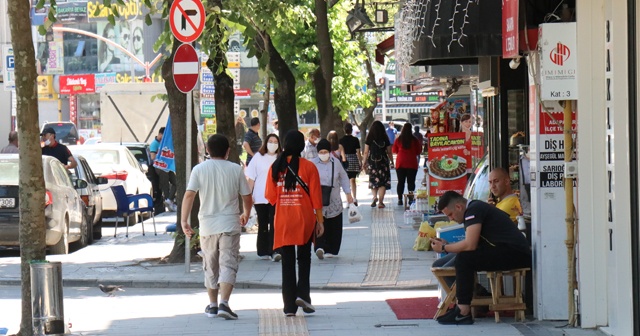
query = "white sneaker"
{"x": 329, "y": 255}
{"x": 320, "y": 253}
{"x": 276, "y": 257}
{"x": 265, "y": 257}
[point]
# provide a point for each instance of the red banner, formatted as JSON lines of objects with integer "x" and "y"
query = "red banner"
{"x": 74, "y": 84}
{"x": 449, "y": 160}
{"x": 510, "y": 35}
{"x": 73, "y": 109}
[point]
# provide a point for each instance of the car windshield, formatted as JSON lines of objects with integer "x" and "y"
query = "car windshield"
{"x": 140, "y": 154}
{"x": 63, "y": 130}
{"x": 9, "y": 169}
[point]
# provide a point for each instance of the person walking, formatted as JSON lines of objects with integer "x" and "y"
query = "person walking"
{"x": 351, "y": 146}
{"x": 166, "y": 179}
{"x": 420, "y": 138}
{"x": 377, "y": 159}
{"x": 407, "y": 148}
{"x": 310, "y": 150}
{"x": 219, "y": 182}
{"x": 53, "y": 148}
{"x": 332, "y": 174}
{"x": 257, "y": 174}
{"x": 294, "y": 189}
{"x": 337, "y": 151}
{"x": 252, "y": 141}
{"x": 12, "y": 147}
{"x": 391, "y": 132}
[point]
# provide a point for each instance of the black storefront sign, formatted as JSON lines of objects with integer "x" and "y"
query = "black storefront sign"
{"x": 72, "y": 12}
{"x": 397, "y": 95}
{"x": 455, "y": 33}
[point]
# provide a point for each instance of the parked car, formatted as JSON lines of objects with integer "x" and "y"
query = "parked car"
{"x": 63, "y": 207}
{"x": 93, "y": 141}
{"x": 90, "y": 195}
{"x": 117, "y": 164}
{"x": 66, "y": 132}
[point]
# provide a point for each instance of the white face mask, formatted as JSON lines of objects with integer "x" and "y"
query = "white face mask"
{"x": 272, "y": 147}
{"x": 324, "y": 157}
{"x": 47, "y": 143}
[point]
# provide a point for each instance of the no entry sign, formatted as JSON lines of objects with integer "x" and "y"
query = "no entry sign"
{"x": 186, "y": 19}
{"x": 186, "y": 68}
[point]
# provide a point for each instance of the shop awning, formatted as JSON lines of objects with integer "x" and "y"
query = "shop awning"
{"x": 400, "y": 108}
{"x": 455, "y": 34}
{"x": 383, "y": 47}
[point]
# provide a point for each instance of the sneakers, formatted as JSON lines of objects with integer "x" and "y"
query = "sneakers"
{"x": 306, "y": 306}
{"x": 264, "y": 257}
{"x": 329, "y": 255}
{"x": 290, "y": 314}
{"x": 320, "y": 253}
{"x": 276, "y": 257}
{"x": 170, "y": 205}
{"x": 211, "y": 311}
{"x": 454, "y": 317}
{"x": 225, "y": 312}
{"x": 399, "y": 202}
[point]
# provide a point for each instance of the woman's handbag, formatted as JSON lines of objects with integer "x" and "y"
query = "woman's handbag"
{"x": 326, "y": 190}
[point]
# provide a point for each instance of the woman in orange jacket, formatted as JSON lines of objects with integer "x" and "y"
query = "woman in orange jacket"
{"x": 294, "y": 189}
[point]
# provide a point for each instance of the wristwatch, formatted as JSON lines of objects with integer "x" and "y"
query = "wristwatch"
{"x": 443, "y": 250}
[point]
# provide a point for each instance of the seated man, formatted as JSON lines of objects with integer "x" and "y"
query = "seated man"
{"x": 507, "y": 201}
{"x": 491, "y": 243}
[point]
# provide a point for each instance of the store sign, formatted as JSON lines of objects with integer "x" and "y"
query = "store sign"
{"x": 397, "y": 95}
{"x": 96, "y": 11}
{"x": 74, "y": 84}
{"x": 207, "y": 91}
{"x": 45, "y": 88}
{"x": 207, "y": 108}
{"x": 449, "y": 160}
{"x": 510, "y": 29}
{"x": 558, "y": 61}
{"x": 72, "y": 12}
{"x": 104, "y": 78}
{"x": 242, "y": 93}
{"x": 8, "y": 66}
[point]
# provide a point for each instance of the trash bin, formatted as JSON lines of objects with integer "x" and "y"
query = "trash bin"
{"x": 46, "y": 298}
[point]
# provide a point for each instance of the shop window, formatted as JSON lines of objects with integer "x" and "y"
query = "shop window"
{"x": 89, "y": 115}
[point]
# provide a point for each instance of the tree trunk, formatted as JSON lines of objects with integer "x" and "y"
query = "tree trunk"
{"x": 264, "y": 114}
{"x": 371, "y": 85}
{"x": 325, "y": 119}
{"x": 32, "y": 191}
{"x": 285, "y": 91}
{"x": 327, "y": 114}
{"x": 178, "y": 113}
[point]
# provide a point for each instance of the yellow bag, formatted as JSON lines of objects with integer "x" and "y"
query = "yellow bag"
{"x": 442, "y": 224}
{"x": 423, "y": 242}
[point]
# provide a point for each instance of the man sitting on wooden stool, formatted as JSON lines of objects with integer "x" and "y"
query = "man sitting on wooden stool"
{"x": 492, "y": 243}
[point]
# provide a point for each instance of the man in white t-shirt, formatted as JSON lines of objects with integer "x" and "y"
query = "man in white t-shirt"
{"x": 219, "y": 182}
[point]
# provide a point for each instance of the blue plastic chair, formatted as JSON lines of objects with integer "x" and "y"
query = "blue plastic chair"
{"x": 130, "y": 204}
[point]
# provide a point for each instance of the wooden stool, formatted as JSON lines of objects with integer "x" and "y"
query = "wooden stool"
{"x": 502, "y": 302}
{"x": 497, "y": 302}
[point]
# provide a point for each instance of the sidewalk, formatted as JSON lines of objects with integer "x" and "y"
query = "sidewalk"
{"x": 376, "y": 262}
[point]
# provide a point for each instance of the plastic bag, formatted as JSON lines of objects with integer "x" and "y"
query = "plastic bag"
{"x": 354, "y": 214}
{"x": 423, "y": 242}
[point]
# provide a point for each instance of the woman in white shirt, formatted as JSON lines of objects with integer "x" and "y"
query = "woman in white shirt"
{"x": 331, "y": 174}
{"x": 257, "y": 174}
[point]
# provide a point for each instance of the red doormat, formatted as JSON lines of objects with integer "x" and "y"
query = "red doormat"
{"x": 414, "y": 308}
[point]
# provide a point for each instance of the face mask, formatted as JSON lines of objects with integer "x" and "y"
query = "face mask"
{"x": 272, "y": 147}
{"x": 47, "y": 143}
{"x": 324, "y": 157}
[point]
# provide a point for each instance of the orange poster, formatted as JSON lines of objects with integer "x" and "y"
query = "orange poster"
{"x": 449, "y": 159}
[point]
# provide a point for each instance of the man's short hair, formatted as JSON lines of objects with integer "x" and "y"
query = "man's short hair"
{"x": 13, "y": 136}
{"x": 449, "y": 198}
{"x": 48, "y": 130}
{"x": 217, "y": 145}
{"x": 255, "y": 121}
{"x": 161, "y": 131}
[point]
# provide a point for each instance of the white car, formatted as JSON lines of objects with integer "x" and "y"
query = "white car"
{"x": 118, "y": 165}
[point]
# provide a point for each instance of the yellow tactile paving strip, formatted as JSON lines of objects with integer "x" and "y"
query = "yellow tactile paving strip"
{"x": 386, "y": 257}
{"x": 273, "y": 322}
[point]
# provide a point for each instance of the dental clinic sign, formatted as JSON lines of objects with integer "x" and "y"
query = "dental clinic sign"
{"x": 558, "y": 61}
{"x": 77, "y": 84}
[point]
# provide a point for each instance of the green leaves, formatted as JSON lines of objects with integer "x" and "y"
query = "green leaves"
{"x": 147, "y": 19}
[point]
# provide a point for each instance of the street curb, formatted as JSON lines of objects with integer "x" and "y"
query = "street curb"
{"x": 241, "y": 285}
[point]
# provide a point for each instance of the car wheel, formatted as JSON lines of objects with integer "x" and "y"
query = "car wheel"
{"x": 84, "y": 232}
{"x": 97, "y": 229}
{"x": 62, "y": 246}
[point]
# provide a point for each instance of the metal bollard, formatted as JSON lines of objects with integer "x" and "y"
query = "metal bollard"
{"x": 46, "y": 298}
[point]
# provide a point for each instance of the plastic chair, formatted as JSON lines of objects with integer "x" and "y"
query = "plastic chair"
{"x": 125, "y": 207}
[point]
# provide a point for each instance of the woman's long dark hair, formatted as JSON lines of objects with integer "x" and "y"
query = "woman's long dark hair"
{"x": 406, "y": 136}
{"x": 377, "y": 133}
{"x": 293, "y": 146}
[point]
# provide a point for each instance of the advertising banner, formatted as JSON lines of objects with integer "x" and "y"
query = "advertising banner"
{"x": 104, "y": 78}
{"x": 165, "y": 159}
{"x": 129, "y": 35}
{"x": 510, "y": 29}
{"x": 449, "y": 160}
{"x": 74, "y": 84}
{"x": 72, "y": 12}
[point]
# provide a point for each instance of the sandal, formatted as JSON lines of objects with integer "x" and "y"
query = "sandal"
{"x": 373, "y": 204}
{"x": 381, "y": 205}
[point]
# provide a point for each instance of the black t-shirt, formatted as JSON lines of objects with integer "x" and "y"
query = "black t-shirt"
{"x": 497, "y": 227}
{"x": 58, "y": 151}
{"x": 254, "y": 141}
{"x": 350, "y": 144}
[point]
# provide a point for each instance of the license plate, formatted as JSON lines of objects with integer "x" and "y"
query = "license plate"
{"x": 7, "y": 202}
